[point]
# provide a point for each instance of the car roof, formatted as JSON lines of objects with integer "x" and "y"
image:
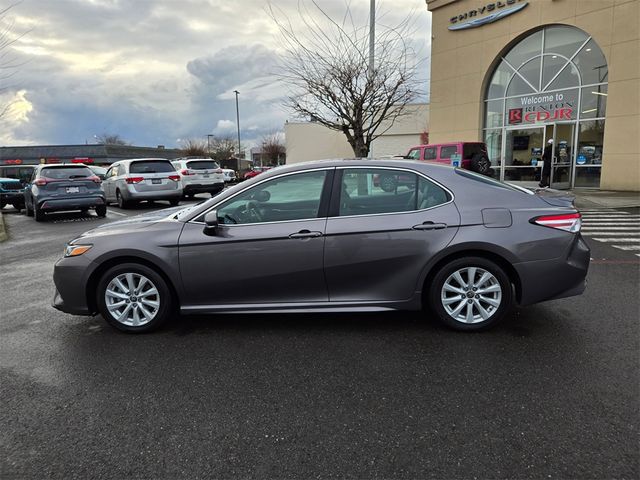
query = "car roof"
{"x": 130, "y": 160}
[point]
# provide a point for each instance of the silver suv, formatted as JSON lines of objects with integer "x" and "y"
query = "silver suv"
{"x": 199, "y": 175}
{"x": 138, "y": 179}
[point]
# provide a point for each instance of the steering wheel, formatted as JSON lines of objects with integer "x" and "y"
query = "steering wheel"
{"x": 248, "y": 213}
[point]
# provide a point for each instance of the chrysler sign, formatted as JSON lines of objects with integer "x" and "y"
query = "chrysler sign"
{"x": 476, "y": 17}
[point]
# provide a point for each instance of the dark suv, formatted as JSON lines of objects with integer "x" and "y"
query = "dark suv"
{"x": 63, "y": 187}
{"x": 11, "y": 191}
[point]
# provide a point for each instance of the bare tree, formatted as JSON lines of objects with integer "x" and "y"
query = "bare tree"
{"x": 326, "y": 62}
{"x": 8, "y": 64}
{"x": 223, "y": 148}
{"x": 111, "y": 139}
{"x": 273, "y": 149}
{"x": 194, "y": 147}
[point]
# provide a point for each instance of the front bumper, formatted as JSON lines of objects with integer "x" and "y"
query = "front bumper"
{"x": 70, "y": 276}
{"x": 53, "y": 204}
{"x": 561, "y": 277}
{"x": 12, "y": 198}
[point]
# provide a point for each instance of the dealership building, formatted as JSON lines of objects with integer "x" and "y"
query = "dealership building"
{"x": 518, "y": 73}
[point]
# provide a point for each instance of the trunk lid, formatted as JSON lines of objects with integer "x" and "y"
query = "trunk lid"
{"x": 556, "y": 198}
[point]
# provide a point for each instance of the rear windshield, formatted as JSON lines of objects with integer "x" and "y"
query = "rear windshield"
{"x": 470, "y": 149}
{"x": 202, "y": 165}
{"x": 490, "y": 181}
{"x": 151, "y": 166}
{"x": 63, "y": 173}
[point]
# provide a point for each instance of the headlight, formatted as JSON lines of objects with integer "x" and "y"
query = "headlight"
{"x": 75, "y": 250}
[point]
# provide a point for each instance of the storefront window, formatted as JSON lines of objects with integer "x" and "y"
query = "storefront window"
{"x": 546, "y": 86}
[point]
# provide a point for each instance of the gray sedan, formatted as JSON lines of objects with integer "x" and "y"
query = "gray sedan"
{"x": 324, "y": 236}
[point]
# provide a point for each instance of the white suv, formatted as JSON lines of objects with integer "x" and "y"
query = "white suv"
{"x": 198, "y": 175}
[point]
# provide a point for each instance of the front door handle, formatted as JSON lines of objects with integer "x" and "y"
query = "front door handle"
{"x": 430, "y": 226}
{"x": 305, "y": 234}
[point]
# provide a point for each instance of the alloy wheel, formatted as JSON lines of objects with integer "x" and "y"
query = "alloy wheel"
{"x": 471, "y": 295}
{"x": 132, "y": 299}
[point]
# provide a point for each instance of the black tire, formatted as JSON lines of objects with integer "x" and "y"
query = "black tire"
{"x": 2, "y": 204}
{"x": 38, "y": 214}
{"x": 17, "y": 206}
{"x": 480, "y": 163}
{"x": 84, "y": 210}
{"x": 101, "y": 210}
{"x": 122, "y": 203}
{"x": 174, "y": 202}
{"x": 468, "y": 296}
{"x": 388, "y": 183}
{"x": 28, "y": 209}
{"x": 164, "y": 298}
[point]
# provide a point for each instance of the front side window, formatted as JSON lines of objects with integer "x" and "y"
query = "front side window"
{"x": 376, "y": 191}
{"x": 292, "y": 197}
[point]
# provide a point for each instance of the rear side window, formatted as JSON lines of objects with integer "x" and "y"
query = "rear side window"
{"x": 448, "y": 150}
{"x": 470, "y": 149}
{"x": 430, "y": 153}
{"x": 202, "y": 165}
{"x": 151, "y": 166}
{"x": 64, "y": 173}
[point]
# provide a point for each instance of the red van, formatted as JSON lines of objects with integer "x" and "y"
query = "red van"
{"x": 473, "y": 155}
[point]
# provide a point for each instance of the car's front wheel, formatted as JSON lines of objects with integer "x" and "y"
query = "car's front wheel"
{"x": 134, "y": 298}
{"x": 471, "y": 294}
{"x": 101, "y": 210}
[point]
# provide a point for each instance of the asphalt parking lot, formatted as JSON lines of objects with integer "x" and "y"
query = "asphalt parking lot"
{"x": 551, "y": 393}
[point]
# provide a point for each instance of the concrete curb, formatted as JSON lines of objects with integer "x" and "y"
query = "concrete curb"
{"x": 3, "y": 231}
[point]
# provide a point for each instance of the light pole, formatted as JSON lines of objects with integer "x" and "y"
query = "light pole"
{"x": 372, "y": 51}
{"x": 209, "y": 135}
{"x": 238, "y": 124}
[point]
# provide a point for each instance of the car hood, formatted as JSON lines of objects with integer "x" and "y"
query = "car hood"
{"x": 134, "y": 223}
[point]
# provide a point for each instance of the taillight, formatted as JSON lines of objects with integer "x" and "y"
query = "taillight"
{"x": 175, "y": 178}
{"x": 41, "y": 182}
{"x": 94, "y": 178}
{"x": 131, "y": 180}
{"x": 570, "y": 222}
{"x": 186, "y": 172}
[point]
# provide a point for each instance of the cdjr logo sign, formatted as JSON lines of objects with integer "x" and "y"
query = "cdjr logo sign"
{"x": 516, "y": 115}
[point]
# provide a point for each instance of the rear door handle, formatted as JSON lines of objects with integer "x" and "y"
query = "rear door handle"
{"x": 305, "y": 234}
{"x": 430, "y": 226}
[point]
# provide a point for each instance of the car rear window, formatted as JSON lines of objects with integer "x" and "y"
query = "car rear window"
{"x": 202, "y": 165}
{"x": 151, "y": 166}
{"x": 490, "y": 181}
{"x": 470, "y": 149}
{"x": 63, "y": 173}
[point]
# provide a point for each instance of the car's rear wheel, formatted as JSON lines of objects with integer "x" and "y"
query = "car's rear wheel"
{"x": 122, "y": 203}
{"x": 28, "y": 209}
{"x": 38, "y": 214}
{"x": 174, "y": 202}
{"x": 471, "y": 294}
{"x": 134, "y": 298}
{"x": 480, "y": 164}
{"x": 101, "y": 210}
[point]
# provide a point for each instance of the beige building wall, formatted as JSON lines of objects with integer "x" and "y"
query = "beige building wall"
{"x": 461, "y": 61}
{"x": 306, "y": 141}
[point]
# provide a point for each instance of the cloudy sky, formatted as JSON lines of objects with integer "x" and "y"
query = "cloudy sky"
{"x": 156, "y": 71}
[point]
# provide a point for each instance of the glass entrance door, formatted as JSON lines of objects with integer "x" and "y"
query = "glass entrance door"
{"x": 562, "y": 161}
{"x": 523, "y": 154}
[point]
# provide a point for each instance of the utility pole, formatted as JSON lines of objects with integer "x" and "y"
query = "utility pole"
{"x": 238, "y": 124}
{"x": 209, "y": 135}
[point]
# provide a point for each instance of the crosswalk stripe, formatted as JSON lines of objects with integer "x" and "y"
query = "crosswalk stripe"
{"x": 586, "y": 228}
{"x": 628, "y": 247}
{"x": 622, "y": 240}
{"x": 610, "y": 224}
{"x": 613, "y": 234}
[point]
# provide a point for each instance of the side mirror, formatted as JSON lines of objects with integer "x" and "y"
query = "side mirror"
{"x": 211, "y": 222}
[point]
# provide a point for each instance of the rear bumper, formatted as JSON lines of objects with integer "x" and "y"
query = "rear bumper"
{"x": 12, "y": 198}
{"x": 175, "y": 193}
{"x": 52, "y": 204}
{"x": 203, "y": 188}
{"x": 558, "y": 278}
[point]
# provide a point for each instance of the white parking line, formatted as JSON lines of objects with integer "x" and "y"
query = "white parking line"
{"x": 117, "y": 213}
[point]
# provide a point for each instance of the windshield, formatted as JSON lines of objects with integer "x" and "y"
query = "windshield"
{"x": 490, "y": 181}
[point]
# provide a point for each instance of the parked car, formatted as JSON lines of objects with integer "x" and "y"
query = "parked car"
{"x": 199, "y": 175}
{"x": 129, "y": 181}
{"x": 99, "y": 172}
{"x": 473, "y": 155}
{"x": 255, "y": 171}
{"x": 20, "y": 172}
{"x": 63, "y": 187}
{"x": 11, "y": 192}
{"x": 318, "y": 235}
{"x": 229, "y": 175}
